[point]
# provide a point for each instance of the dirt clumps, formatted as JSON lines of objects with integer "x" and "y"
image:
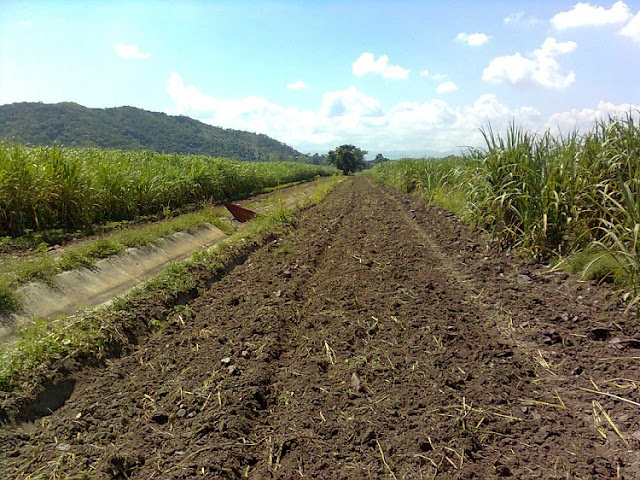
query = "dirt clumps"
{"x": 380, "y": 339}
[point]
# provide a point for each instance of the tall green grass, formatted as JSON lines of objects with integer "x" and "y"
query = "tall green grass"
{"x": 51, "y": 187}
{"x": 442, "y": 181}
{"x": 550, "y": 195}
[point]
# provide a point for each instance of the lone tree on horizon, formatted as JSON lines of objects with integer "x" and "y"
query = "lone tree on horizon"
{"x": 348, "y": 158}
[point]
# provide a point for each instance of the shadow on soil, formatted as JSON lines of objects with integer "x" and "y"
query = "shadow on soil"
{"x": 51, "y": 399}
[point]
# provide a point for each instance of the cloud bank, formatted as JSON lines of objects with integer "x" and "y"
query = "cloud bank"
{"x": 350, "y": 116}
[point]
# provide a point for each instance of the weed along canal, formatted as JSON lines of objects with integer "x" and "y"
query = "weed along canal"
{"x": 375, "y": 336}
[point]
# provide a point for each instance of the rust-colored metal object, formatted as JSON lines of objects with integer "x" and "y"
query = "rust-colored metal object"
{"x": 240, "y": 214}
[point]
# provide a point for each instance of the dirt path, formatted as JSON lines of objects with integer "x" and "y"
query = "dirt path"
{"x": 381, "y": 339}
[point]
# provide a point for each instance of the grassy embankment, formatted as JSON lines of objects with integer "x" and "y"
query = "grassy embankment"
{"x": 573, "y": 200}
{"x": 105, "y": 331}
{"x": 48, "y": 193}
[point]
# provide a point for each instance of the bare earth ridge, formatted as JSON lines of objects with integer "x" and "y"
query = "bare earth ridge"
{"x": 381, "y": 338}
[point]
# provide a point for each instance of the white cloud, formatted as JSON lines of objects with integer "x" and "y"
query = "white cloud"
{"x": 433, "y": 76}
{"x": 130, "y": 52}
{"x": 541, "y": 68}
{"x": 551, "y": 48}
{"x": 366, "y": 63}
{"x": 473, "y": 39}
{"x": 487, "y": 108}
{"x": 446, "y": 87}
{"x": 191, "y": 99}
{"x": 519, "y": 18}
{"x": 446, "y": 126}
{"x": 350, "y": 116}
{"x": 349, "y": 102}
{"x": 587, "y": 15}
{"x": 583, "y": 119}
{"x": 24, "y": 23}
{"x": 514, "y": 17}
{"x": 299, "y": 85}
{"x": 632, "y": 29}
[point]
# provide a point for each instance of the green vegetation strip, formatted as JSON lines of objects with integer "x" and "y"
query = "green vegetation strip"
{"x": 45, "y": 188}
{"x": 556, "y": 197}
{"x": 99, "y": 333}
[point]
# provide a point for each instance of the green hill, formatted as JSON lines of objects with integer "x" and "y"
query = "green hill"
{"x": 130, "y": 128}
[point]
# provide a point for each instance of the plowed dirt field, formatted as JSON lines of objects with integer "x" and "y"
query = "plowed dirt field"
{"x": 381, "y": 338}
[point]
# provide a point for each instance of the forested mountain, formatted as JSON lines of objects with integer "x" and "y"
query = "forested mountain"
{"x": 130, "y": 128}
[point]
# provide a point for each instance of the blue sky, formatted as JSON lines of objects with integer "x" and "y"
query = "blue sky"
{"x": 386, "y": 76}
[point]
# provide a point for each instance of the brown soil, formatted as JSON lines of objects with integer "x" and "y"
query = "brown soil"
{"x": 379, "y": 339}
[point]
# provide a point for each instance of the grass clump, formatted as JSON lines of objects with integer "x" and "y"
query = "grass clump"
{"x": 86, "y": 255}
{"x": 9, "y": 299}
{"x": 594, "y": 264}
{"x": 285, "y": 249}
{"x": 63, "y": 338}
